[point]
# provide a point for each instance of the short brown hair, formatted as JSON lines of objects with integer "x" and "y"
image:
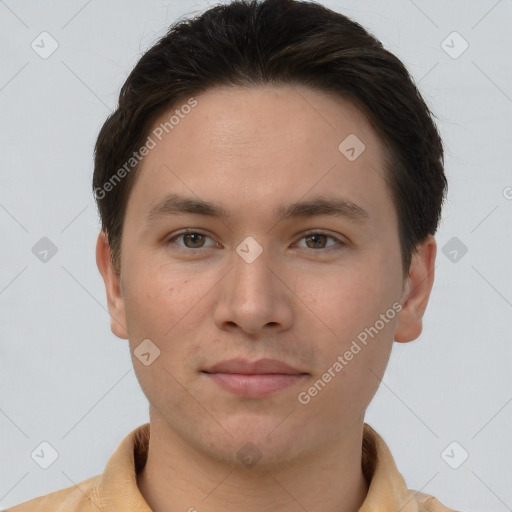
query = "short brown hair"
{"x": 279, "y": 42}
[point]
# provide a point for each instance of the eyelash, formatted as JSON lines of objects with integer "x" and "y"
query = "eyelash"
{"x": 170, "y": 241}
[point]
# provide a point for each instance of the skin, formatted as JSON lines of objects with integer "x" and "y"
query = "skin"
{"x": 250, "y": 150}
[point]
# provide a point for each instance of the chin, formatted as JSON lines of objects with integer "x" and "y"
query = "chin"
{"x": 256, "y": 441}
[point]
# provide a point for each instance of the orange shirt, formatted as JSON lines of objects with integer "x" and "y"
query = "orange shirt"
{"x": 115, "y": 490}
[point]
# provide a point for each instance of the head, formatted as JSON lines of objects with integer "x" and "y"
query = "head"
{"x": 262, "y": 120}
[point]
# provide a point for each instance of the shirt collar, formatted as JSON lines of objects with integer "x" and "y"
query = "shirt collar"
{"x": 117, "y": 488}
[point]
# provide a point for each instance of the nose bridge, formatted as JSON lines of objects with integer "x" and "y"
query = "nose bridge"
{"x": 251, "y": 274}
{"x": 252, "y": 296}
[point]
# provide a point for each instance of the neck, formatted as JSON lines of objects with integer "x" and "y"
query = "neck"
{"x": 177, "y": 477}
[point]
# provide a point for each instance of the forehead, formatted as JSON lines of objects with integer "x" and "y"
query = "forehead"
{"x": 242, "y": 146}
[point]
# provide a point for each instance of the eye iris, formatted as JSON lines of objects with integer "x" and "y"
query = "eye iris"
{"x": 195, "y": 236}
{"x": 316, "y": 237}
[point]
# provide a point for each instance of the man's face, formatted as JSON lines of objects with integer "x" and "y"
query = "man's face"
{"x": 318, "y": 283}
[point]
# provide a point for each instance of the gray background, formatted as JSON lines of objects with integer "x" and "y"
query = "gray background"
{"x": 65, "y": 379}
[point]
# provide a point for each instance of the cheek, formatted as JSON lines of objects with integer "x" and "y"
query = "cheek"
{"x": 353, "y": 370}
{"x": 168, "y": 308}
{"x": 156, "y": 298}
{"x": 348, "y": 297}
{"x": 353, "y": 315}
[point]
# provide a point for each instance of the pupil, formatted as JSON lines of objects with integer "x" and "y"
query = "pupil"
{"x": 315, "y": 237}
{"x": 194, "y": 236}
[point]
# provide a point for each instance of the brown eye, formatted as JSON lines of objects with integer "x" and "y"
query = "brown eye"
{"x": 317, "y": 241}
{"x": 320, "y": 240}
{"x": 190, "y": 240}
{"x": 196, "y": 240}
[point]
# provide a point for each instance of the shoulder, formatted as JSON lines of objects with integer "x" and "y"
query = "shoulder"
{"x": 427, "y": 503}
{"x": 76, "y": 498}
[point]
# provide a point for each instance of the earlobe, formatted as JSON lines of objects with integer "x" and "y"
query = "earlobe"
{"x": 111, "y": 279}
{"x": 416, "y": 292}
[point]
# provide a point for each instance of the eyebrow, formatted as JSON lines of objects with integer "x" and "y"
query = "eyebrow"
{"x": 174, "y": 204}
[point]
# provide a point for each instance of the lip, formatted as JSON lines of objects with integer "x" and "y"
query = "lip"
{"x": 259, "y": 367}
{"x": 256, "y": 379}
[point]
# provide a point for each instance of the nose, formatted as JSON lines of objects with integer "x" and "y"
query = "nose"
{"x": 254, "y": 296}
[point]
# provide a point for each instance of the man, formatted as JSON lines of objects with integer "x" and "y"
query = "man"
{"x": 269, "y": 187}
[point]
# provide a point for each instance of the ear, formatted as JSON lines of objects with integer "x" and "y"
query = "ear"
{"x": 416, "y": 292}
{"x": 111, "y": 279}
